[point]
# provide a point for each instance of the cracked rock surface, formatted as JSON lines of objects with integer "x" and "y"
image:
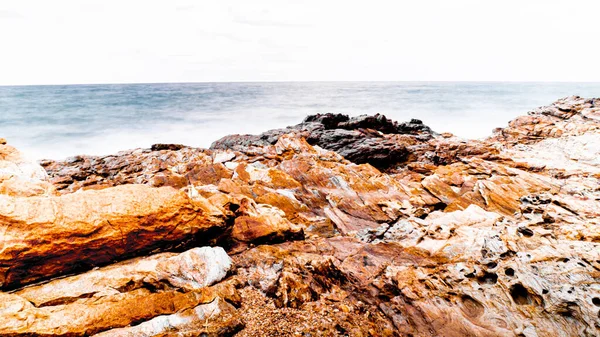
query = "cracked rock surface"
{"x": 336, "y": 226}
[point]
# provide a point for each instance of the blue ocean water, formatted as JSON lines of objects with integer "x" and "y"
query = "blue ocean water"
{"x": 65, "y": 120}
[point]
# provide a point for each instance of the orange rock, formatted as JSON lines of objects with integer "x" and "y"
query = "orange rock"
{"x": 216, "y": 318}
{"x": 569, "y": 116}
{"x": 118, "y": 295}
{"x": 14, "y": 186}
{"x": 497, "y": 237}
{"x": 259, "y": 222}
{"x": 20, "y": 177}
{"x": 486, "y": 184}
{"x": 50, "y": 236}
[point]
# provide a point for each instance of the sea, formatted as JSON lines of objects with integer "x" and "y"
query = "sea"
{"x": 59, "y": 121}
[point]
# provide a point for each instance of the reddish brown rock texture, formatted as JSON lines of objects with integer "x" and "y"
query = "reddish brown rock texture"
{"x": 48, "y": 236}
{"x": 337, "y": 226}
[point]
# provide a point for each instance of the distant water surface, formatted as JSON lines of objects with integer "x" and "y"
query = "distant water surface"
{"x": 60, "y": 121}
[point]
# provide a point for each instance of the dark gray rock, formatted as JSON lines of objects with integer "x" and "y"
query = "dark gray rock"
{"x": 360, "y": 139}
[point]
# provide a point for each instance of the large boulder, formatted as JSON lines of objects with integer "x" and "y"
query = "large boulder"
{"x": 20, "y": 176}
{"x": 48, "y": 236}
{"x": 362, "y": 139}
{"x": 122, "y": 295}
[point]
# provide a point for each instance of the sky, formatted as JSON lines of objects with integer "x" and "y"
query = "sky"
{"x": 149, "y": 41}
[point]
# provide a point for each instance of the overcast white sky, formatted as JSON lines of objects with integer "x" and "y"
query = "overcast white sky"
{"x": 125, "y": 41}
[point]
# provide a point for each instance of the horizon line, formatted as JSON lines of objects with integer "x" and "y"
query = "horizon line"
{"x": 298, "y": 81}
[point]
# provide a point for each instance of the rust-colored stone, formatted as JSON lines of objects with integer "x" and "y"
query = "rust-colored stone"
{"x": 47, "y": 236}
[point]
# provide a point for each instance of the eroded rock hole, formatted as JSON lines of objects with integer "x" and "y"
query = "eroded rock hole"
{"x": 234, "y": 207}
{"x": 525, "y": 231}
{"x": 488, "y": 278}
{"x": 520, "y": 294}
{"x": 570, "y": 309}
{"x": 508, "y": 253}
{"x": 509, "y": 272}
{"x": 471, "y": 306}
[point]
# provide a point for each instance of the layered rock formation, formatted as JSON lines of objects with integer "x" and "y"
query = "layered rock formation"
{"x": 336, "y": 226}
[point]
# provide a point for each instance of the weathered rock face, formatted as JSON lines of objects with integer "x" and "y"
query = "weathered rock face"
{"x": 160, "y": 167}
{"x": 112, "y": 298}
{"x": 336, "y": 226}
{"x": 13, "y": 163}
{"x": 487, "y": 184}
{"x": 47, "y": 236}
{"x": 20, "y": 177}
{"x": 364, "y": 139}
{"x": 570, "y": 116}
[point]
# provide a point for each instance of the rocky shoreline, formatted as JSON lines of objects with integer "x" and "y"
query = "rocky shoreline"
{"x": 336, "y": 226}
